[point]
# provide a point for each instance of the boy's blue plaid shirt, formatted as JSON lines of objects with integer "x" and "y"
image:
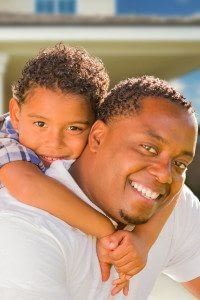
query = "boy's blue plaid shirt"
{"x": 11, "y": 149}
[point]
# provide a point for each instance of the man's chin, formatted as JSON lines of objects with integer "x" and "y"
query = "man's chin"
{"x": 134, "y": 220}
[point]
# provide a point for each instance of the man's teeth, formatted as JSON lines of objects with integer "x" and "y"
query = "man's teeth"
{"x": 147, "y": 193}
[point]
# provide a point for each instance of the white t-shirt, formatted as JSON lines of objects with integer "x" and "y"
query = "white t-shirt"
{"x": 43, "y": 258}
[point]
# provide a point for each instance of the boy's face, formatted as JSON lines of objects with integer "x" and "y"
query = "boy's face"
{"x": 52, "y": 124}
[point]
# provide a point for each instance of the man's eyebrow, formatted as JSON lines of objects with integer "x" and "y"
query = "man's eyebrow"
{"x": 156, "y": 136}
{"x": 163, "y": 141}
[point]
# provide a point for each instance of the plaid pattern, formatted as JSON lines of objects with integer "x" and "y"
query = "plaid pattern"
{"x": 11, "y": 149}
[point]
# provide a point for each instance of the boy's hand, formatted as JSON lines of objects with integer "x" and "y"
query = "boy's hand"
{"x": 125, "y": 250}
{"x": 130, "y": 256}
{"x": 104, "y": 246}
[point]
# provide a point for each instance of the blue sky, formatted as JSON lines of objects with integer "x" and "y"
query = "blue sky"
{"x": 189, "y": 86}
{"x": 158, "y": 7}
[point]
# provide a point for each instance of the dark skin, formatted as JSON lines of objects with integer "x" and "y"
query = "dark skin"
{"x": 152, "y": 157}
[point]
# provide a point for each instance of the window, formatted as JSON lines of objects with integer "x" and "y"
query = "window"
{"x": 66, "y": 6}
{"x": 55, "y": 6}
{"x": 45, "y": 6}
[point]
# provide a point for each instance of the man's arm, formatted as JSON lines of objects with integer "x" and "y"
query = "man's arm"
{"x": 184, "y": 258}
{"x": 193, "y": 286}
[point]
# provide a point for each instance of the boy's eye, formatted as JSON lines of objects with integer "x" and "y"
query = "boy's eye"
{"x": 150, "y": 149}
{"x": 40, "y": 124}
{"x": 74, "y": 128}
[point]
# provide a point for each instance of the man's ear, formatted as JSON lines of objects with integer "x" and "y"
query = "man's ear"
{"x": 14, "y": 110}
{"x": 97, "y": 134}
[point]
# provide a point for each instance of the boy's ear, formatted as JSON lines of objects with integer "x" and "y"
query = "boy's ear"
{"x": 14, "y": 110}
{"x": 97, "y": 135}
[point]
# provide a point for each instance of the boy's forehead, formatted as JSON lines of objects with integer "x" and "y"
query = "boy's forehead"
{"x": 41, "y": 94}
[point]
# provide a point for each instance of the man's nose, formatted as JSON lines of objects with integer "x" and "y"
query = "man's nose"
{"x": 162, "y": 171}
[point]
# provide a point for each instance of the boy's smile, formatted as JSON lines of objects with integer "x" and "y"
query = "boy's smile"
{"x": 52, "y": 124}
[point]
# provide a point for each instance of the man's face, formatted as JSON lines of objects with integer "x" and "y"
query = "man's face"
{"x": 140, "y": 161}
{"x": 52, "y": 124}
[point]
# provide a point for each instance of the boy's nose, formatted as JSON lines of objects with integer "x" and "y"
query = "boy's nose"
{"x": 56, "y": 139}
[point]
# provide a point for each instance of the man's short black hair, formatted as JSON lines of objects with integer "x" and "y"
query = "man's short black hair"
{"x": 126, "y": 97}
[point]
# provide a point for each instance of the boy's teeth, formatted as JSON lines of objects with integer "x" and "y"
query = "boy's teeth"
{"x": 147, "y": 193}
{"x": 50, "y": 158}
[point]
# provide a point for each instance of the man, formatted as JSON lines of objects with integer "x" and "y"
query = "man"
{"x": 134, "y": 163}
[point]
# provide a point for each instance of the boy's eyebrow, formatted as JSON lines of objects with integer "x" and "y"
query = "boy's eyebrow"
{"x": 80, "y": 122}
{"x": 159, "y": 138}
{"x": 74, "y": 121}
{"x": 36, "y": 116}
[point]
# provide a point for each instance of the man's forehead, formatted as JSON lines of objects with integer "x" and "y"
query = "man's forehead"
{"x": 165, "y": 124}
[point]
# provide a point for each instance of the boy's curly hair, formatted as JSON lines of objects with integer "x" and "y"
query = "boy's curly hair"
{"x": 70, "y": 69}
{"x": 126, "y": 97}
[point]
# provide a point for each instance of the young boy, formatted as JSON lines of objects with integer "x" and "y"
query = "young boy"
{"x": 52, "y": 110}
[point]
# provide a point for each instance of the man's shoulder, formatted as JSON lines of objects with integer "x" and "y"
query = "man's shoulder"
{"x": 34, "y": 219}
{"x": 184, "y": 221}
{"x": 186, "y": 214}
{"x": 187, "y": 200}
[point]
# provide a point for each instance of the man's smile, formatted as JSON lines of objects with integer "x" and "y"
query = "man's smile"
{"x": 145, "y": 191}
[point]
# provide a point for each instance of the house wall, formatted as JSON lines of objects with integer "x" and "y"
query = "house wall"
{"x": 91, "y": 7}
{"x": 25, "y": 6}
{"x": 84, "y": 7}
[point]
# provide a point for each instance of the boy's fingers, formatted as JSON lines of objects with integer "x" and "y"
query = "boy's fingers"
{"x": 126, "y": 289}
{"x": 129, "y": 269}
{"x": 105, "y": 270}
{"x": 116, "y": 239}
{"x": 116, "y": 290}
{"x": 120, "y": 287}
{"x": 123, "y": 260}
{"x": 121, "y": 280}
{"x": 124, "y": 253}
{"x": 109, "y": 243}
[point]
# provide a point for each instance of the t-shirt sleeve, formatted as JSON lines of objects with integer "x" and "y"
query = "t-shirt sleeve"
{"x": 184, "y": 262}
{"x": 11, "y": 149}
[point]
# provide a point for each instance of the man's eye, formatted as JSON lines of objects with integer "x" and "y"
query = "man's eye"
{"x": 180, "y": 165}
{"x": 40, "y": 124}
{"x": 150, "y": 149}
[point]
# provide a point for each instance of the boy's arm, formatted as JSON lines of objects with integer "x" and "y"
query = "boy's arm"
{"x": 35, "y": 188}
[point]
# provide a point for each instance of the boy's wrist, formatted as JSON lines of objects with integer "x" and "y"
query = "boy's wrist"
{"x": 106, "y": 230}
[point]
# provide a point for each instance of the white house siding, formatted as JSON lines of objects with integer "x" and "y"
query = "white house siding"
{"x": 3, "y": 62}
{"x": 92, "y": 7}
{"x": 84, "y": 7}
{"x": 22, "y": 6}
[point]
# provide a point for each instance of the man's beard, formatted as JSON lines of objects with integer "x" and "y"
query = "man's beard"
{"x": 133, "y": 220}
